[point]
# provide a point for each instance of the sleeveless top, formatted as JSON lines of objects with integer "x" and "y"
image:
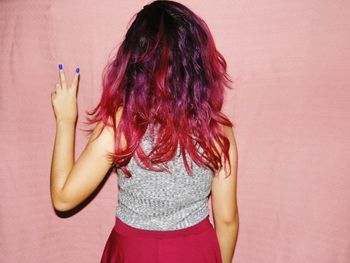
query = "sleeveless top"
{"x": 161, "y": 200}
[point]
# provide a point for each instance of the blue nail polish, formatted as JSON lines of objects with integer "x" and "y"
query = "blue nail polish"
{"x": 60, "y": 66}
{"x": 77, "y": 70}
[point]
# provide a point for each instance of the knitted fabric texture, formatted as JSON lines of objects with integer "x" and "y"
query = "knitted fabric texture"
{"x": 160, "y": 200}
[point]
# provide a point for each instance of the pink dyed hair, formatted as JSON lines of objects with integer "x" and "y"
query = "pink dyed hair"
{"x": 167, "y": 71}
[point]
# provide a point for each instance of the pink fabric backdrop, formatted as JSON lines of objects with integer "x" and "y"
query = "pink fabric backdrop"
{"x": 291, "y": 106}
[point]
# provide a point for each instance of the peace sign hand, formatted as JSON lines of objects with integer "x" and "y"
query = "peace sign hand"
{"x": 64, "y": 100}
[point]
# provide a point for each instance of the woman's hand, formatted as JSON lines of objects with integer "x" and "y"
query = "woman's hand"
{"x": 64, "y": 99}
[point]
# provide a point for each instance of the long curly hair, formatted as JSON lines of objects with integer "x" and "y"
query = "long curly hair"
{"x": 167, "y": 71}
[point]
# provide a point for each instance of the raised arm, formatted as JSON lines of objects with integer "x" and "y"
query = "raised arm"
{"x": 69, "y": 189}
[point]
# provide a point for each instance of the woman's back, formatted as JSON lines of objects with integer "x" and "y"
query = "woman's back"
{"x": 162, "y": 200}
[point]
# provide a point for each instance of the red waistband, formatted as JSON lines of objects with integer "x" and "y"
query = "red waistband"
{"x": 127, "y": 230}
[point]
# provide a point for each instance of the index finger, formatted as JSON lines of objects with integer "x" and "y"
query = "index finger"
{"x": 62, "y": 76}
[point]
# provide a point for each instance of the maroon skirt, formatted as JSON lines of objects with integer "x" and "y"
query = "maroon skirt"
{"x": 194, "y": 244}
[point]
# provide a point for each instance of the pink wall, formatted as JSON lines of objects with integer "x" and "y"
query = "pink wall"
{"x": 290, "y": 61}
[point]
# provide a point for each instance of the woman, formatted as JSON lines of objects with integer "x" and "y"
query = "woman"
{"x": 159, "y": 124}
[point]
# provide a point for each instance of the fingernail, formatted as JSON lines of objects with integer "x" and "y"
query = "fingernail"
{"x": 60, "y": 66}
{"x": 77, "y": 70}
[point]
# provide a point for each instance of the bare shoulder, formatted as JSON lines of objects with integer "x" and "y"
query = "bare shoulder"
{"x": 229, "y": 133}
{"x": 233, "y": 152}
{"x": 227, "y": 130}
{"x": 108, "y": 132}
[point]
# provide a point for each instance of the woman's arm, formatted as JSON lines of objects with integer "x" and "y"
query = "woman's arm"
{"x": 224, "y": 203}
{"x": 72, "y": 183}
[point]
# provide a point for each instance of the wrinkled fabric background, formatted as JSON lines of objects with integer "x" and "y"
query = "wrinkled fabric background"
{"x": 290, "y": 61}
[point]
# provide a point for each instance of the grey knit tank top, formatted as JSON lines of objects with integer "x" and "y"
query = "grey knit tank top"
{"x": 160, "y": 200}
